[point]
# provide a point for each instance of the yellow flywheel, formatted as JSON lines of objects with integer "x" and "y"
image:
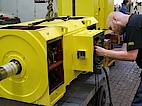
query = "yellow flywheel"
{"x": 32, "y": 81}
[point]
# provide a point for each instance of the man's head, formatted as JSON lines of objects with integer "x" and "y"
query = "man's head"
{"x": 117, "y": 21}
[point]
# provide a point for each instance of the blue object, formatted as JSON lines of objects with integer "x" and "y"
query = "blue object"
{"x": 123, "y": 9}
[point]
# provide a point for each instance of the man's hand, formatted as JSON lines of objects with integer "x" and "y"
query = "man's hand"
{"x": 100, "y": 51}
{"x": 120, "y": 55}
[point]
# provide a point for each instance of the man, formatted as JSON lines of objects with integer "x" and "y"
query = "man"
{"x": 132, "y": 47}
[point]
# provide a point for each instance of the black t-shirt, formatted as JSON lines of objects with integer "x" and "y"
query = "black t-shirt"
{"x": 134, "y": 36}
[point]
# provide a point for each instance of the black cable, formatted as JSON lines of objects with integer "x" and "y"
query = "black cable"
{"x": 109, "y": 92}
{"x": 52, "y": 19}
{"x": 95, "y": 83}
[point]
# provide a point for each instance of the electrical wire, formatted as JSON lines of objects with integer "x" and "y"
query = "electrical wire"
{"x": 109, "y": 91}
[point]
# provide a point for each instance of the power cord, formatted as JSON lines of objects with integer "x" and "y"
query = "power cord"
{"x": 109, "y": 92}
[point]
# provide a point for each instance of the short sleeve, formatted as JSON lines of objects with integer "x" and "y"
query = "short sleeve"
{"x": 134, "y": 38}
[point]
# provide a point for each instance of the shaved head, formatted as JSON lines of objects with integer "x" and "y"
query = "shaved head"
{"x": 117, "y": 21}
{"x": 113, "y": 14}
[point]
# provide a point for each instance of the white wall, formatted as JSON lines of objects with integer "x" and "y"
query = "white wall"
{"x": 40, "y": 10}
{"x": 9, "y": 8}
{"x": 26, "y": 10}
{"x": 139, "y": 0}
{"x": 118, "y": 2}
{"x": 0, "y": 6}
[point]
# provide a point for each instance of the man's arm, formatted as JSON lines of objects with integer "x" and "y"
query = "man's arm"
{"x": 123, "y": 48}
{"x": 120, "y": 55}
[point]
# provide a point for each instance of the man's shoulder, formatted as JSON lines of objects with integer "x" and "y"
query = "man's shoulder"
{"x": 135, "y": 19}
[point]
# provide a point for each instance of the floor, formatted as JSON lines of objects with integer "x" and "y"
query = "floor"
{"x": 124, "y": 79}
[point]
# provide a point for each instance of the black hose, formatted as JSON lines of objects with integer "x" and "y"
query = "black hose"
{"x": 109, "y": 92}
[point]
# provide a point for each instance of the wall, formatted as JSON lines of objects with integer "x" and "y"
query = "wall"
{"x": 26, "y": 10}
{"x": 118, "y": 2}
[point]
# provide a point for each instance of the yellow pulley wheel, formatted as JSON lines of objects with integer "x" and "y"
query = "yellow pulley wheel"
{"x": 25, "y": 48}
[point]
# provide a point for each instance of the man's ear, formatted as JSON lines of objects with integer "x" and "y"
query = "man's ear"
{"x": 114, "y": 18}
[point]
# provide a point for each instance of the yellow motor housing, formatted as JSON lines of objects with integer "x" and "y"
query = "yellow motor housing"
{"x": 29, "y": 48}
{"x": 84, "y": 53}
{"x": 95, "y": 8}
{"x": 51, "y": 53}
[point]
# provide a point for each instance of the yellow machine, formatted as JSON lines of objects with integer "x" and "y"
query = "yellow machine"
{"x": 95, "y": 8}
{"x": 40, "y": 58}
{"x": 28, "y": 48}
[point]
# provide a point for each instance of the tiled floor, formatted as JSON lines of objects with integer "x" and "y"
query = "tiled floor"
{"x": 124, "y": 80}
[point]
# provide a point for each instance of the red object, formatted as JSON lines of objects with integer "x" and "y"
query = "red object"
{"x": 3, "y": 17}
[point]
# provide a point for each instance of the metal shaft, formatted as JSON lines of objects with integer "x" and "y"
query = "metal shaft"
{"x": 9, "y": 69}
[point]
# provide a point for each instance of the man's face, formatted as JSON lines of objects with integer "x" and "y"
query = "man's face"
{"x": 117, "y": 28}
